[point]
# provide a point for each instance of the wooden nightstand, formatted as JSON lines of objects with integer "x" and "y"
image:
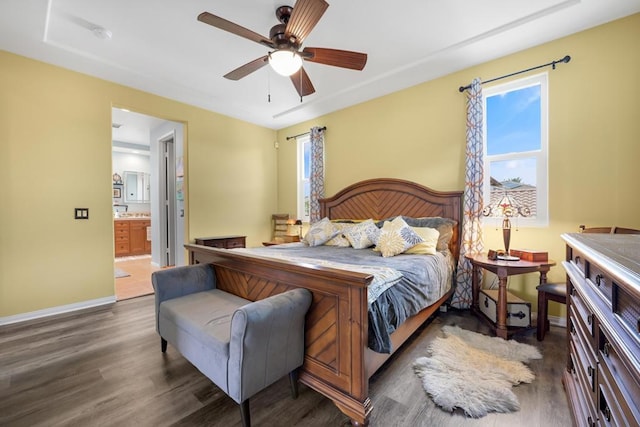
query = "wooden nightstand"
{"x": 225, "y": 242}
{"x": 502, "y": 269}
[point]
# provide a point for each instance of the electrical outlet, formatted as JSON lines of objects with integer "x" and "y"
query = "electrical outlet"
{"x": 82, "y": 213}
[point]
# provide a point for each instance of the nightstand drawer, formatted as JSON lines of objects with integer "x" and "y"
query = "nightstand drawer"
{"x": 238, "y": 242}
{"x": 224, "y": 242}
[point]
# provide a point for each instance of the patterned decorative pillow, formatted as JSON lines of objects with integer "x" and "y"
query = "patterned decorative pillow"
{"x": 320, "y": 232}
{"x": 339, "y": 239}
{"x": 443, "y": 225}
{"x": 363, "y": 234}
{"x": 396, "y": 237}
{"x": 430, "y": 237}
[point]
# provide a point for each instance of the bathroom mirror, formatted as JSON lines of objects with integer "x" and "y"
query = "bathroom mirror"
{"x": 136, "y": 187}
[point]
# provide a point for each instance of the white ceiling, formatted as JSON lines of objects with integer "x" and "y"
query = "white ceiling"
{"x": 131, "y": 130}
{"x": 158, "y": 46}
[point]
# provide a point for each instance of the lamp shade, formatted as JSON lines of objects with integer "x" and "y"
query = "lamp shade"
{"x": 285, "y": 62}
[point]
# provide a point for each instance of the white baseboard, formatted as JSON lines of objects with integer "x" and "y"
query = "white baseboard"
{"x": 23, "y": 317}
{"x": 558, "y": 321}
{"x": 554, "y": 320}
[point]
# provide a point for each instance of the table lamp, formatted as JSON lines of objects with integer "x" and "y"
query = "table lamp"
{"x": 507, "y": 207}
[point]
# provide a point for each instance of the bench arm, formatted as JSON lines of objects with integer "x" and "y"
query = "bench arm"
{"x": 180, "y": 281}
{"x": 267, "y": 342}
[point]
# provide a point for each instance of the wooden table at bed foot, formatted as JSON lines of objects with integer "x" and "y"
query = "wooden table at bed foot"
{"x": 503, "y": 269}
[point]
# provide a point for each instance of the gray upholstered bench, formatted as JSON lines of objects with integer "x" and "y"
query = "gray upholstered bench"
{"x": 242, "y": 346}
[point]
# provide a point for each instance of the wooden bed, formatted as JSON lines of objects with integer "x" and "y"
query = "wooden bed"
{"x": 338, "y": 363}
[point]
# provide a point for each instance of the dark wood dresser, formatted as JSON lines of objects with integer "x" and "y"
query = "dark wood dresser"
{"x": 602, "y": 379}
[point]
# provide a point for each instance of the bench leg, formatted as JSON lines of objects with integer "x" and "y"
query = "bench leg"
{"x": 163, "y": 345}
{"x": 293, "y": 380}
{"x": 245, "y": 414}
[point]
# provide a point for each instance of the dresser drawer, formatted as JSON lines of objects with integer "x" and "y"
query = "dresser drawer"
{"x": 584, "y": 315}
{"x": 622, "y": 385}
{"x": 586, "y": 368}
{"x": 600, "y": 281}
{"x": 585, "y": 412}
{"x": 627, "y": 307}
{"x": 580, "y": 261}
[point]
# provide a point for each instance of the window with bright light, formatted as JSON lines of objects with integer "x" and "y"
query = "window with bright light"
{"x": 516, "y": 146}
{"x": 304, "y": 169}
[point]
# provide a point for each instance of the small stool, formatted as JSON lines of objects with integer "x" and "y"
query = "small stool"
{"x": 548, "y": 292}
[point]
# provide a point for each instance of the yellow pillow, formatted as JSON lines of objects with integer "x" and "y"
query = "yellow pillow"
{"x": 396, "y": 237}
{"x": 430, "y": 237}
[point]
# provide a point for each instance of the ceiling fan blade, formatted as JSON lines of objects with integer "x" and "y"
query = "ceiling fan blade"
{"x": 247, "y": 68}
{"x": 302, "y": 82}
{"x": 233, "y": 28}
{"x": 305, "y": 16}
{"x": 335, "y": 57}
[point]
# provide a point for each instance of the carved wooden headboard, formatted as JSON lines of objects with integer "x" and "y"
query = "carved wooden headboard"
{"x": 386, "y": 197}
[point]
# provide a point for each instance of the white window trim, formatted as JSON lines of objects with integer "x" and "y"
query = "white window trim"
{"x": 300, "y": 142}
{"x": 541, "y": 156}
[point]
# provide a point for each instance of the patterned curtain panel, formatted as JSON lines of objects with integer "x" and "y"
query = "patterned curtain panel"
{"x": 316, "y": 179}
{"x": 472, "y": 205}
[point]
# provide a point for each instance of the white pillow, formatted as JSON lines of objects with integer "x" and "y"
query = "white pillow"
{"x": 320, "y": 232}
{"x": 362, "y": 235}
{"x": 429, "y": 246}
{"x": 396, "y": 237}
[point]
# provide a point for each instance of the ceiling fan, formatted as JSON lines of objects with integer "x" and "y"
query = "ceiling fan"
{"x": 286, "y": 39}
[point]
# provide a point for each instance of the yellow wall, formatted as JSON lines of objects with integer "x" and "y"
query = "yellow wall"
{"x": 56, "y": 155}
{"x": 419, "y": 134}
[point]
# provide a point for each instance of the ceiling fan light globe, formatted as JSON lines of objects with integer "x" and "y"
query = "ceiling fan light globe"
{"x": 285, "y": 62}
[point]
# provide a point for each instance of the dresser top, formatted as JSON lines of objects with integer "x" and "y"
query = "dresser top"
{"x": 619, "y": 252}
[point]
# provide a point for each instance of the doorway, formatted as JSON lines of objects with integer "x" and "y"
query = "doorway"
{"x": 147, "y": 146}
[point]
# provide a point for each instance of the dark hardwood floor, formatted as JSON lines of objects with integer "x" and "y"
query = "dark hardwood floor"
{"x": 103, "y": 367}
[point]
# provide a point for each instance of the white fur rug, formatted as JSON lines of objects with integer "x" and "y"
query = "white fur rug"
{"x": 474, "y": 372}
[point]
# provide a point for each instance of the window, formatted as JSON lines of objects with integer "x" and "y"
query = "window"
{"x": 516, "y": 147}
{"x": 304, "y": 169}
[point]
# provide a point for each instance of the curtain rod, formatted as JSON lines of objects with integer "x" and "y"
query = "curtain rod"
{"x": 552, "y": 63}
{"x": 303, "y": 134}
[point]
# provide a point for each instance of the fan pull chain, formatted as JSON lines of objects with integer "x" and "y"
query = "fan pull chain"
{"x": 268, "y": 86}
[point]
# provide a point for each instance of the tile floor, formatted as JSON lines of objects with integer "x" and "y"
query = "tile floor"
{"x": 138, "y": 283}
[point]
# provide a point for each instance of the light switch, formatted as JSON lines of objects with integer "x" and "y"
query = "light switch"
{"x": 82, "y": 213}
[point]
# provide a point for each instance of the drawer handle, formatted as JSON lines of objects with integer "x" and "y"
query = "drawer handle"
{"x": 607, "y": 413}
{"x": 572, "y": 291}
{"x": 486, "y": 303}
{"x": 573, "y": 329}
{"x": 599, "y": 279}
{"x": 590, "y": 319}
{"x": 590, "y": 371}
{"x": 590, "y": 421}
{"x": 577, "y": 259}
{"x": 605, "y": 349}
